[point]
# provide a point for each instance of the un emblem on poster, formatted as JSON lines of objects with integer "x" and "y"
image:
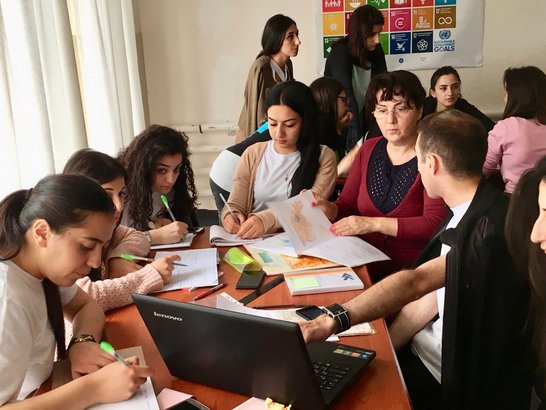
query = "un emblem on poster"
{"x": 445, "y": 34}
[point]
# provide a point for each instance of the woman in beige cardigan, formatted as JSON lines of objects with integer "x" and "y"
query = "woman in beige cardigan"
{"x": 278, "y": 169}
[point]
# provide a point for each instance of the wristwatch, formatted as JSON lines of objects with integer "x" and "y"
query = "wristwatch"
{"x": 79, "y": 339}
{"x": 148, "y": 235}
{"x": 340, "y": 315}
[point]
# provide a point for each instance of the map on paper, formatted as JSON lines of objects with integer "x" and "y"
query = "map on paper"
{"x": 307, "y": 232}
{"x": 306, "y": 225}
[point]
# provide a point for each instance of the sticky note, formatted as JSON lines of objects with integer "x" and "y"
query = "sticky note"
{"x": 169, "y": 398}
{"x": 302, "y": 282}
{"x": 240, "y": 260}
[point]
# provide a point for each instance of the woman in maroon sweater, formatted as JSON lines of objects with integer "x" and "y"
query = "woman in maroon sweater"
{"x": 383, "y": 199}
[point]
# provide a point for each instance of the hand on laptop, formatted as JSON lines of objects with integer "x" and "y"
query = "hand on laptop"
{"x": 318, "y": 329}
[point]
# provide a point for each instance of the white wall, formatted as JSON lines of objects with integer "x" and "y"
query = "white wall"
{"x": 197, "y": 53}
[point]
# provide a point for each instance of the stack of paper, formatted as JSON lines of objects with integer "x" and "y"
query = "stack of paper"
{"x": 274, "y": 262}
{"x": 308, "y": 233}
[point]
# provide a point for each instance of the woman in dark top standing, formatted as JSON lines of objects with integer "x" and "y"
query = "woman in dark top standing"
{"x": 445, "y": 92}
{"x": 355, "y": 60}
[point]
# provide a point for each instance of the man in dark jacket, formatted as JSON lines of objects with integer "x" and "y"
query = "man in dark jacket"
{"x": 471, "y": 335}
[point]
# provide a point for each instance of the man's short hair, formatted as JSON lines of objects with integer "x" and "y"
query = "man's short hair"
{"x": 459, "y": 139}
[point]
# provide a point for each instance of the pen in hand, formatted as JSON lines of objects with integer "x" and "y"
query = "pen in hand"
{"x": 166, "y": 203}
{"x": 130, "y": 257}
{"x": 208, "y": 292}
{"x": 107, "y": 347}
{"x": 229, "y": 209}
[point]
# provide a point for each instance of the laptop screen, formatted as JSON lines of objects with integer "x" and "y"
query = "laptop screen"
{"x": 246, "y": 354}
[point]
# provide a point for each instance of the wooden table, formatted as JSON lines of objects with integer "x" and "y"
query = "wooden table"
{"x": 380, "y": 387}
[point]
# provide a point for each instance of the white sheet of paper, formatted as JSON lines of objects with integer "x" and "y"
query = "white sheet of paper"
{"x": 277, "y": 244}
{"x": 186, "y": 243}
{"x": 347, "y": 250}
{"x": 306, "y": 225}
{"x": 227, "y": 302}
{"x": 201, "y": 269}
{"x": 143, "y": 399}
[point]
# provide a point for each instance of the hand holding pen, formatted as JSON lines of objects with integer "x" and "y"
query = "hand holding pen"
{"x": 107, "y": 347}
{"x": 233, "y": 224}
{"x": 130, "y": 257}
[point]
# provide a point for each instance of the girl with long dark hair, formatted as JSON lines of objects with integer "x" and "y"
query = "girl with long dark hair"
{"x": 279, "y": 169}
{"x": 50, "y": 236}
{"x": 280, "y": 42}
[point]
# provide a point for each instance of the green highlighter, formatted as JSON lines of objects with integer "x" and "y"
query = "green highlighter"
{"x": 166, "y": 203}
{"x": 107, "y": 347}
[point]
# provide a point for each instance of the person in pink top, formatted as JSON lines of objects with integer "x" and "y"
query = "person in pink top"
{"x": 383, "y": 200}
{"x": 113, "y": 282}
{"x": 518, "y": 141}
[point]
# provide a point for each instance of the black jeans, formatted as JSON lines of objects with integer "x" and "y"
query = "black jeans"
{"x": 423, "y": 388}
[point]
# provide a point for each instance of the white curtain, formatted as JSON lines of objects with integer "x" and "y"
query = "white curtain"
{"x": 109, "y": 72}
{"x": 42, "y": 121}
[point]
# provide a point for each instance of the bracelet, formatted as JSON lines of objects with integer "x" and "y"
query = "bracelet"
{"x": 80, "y": 339}
{"x": 148, "y": 235}
{"x": 340, "y": 315}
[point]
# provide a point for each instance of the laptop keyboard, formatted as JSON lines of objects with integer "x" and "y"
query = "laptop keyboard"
{"x": 329, "y": 374}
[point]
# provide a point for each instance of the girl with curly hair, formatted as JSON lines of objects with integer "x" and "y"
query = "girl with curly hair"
{"x": 158, "y": 163}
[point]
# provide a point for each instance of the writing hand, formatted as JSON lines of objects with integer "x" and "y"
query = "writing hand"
{"x": 232, "y": 225}
{"x": 253, "y": 227}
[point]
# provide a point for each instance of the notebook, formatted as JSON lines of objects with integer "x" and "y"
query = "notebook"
{"x": 269, "y": 357}
{"x": 218, "y": 236}
{"x": 322, "y": 281}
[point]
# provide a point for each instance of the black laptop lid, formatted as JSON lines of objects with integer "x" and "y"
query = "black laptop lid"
{"x": 246, "y": 354}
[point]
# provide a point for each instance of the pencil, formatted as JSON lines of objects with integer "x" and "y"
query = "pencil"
{"x": 229, "y": 209}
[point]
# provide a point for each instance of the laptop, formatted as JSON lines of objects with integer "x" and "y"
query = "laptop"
{"x": 250, "y": 355}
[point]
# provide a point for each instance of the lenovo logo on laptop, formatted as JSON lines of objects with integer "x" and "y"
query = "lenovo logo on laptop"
{"x": 164, "y": 316}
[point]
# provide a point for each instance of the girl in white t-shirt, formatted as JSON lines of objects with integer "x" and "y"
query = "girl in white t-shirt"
{"x": 50, "y": 236}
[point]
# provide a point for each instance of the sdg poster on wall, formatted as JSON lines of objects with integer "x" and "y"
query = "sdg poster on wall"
{"x": 417, "y": 34}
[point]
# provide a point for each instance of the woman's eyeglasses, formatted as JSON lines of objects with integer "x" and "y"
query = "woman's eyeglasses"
{"x": 398, "y": 112}
{"x": 344, "y": 99}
